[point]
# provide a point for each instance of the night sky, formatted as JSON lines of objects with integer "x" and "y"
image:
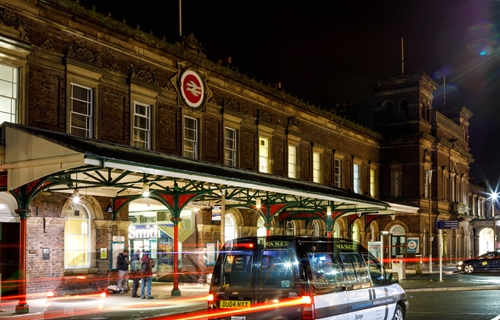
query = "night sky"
{"x": 325, "y": 52}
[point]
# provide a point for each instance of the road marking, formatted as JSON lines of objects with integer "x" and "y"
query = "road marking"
{"x": 496, "y": 318}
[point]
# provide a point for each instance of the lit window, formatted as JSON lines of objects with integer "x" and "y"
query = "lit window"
{"x": 230, "y": 147}
{"x": 290, "y": 228}
{"x": 142, "y": 126}
{"x": 229, "y": 227}
{"x": 292, "y": 161}
{"x": 372, "y": 182}
{"x": 261, "y": 228}
{"x": 81, "y": 111}
{"x": 190, "y": 138}
{"x": 316, "y": 167}
{"x": 356, "y": 178}
{"x": 77, "y": 237}
{"x": 9, "y": 85}
{"x": 264, "y": 155}
{"x": 338, "y": 173}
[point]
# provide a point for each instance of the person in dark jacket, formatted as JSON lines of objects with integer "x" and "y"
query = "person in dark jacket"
{"x": 122, "y": 263}
{"x": 147, "y": 265}
{"x": 135, "y": 269}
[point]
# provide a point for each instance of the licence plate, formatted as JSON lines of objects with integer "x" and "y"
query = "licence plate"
{"x": 234, "y": 304}
{"x": 238, "y": 318}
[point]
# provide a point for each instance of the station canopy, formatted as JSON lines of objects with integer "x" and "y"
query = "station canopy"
{"x": 67, "y": 162}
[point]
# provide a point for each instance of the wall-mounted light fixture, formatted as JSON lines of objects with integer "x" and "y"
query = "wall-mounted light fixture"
{"x": 393, "y": 217}
{"x": 145, "y": 190}
{"x": 109, "y": 209}
{"x": 328, "y": 211}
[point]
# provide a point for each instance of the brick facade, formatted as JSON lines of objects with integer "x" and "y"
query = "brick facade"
{"x": 64, "y": 43}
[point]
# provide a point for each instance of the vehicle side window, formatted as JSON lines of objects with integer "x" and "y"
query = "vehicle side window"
{"x": 355, "y": 268}
{"x": 326, "y": 274}
{"x": 377, "y": 273}
{"x": 237, "y": 270}
{"x": 277, "y": 269}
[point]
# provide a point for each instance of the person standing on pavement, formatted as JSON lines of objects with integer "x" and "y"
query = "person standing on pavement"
{"x": 135, "y": 268}
{"x": 122, "y": 263}
{"x": 147, "y": 265}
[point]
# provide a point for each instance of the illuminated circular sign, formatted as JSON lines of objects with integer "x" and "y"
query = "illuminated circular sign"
{"x": 412, "y": 244}
{"x": 192, "y": 89}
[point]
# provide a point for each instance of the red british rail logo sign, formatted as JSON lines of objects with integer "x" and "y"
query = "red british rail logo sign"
{"x": 192, "y": 88}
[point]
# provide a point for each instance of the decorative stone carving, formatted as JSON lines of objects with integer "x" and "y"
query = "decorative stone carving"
{"x": 265, "y": 117}
{"x": 231, "y": 105}
{"x": 9, "y": 19}
{"x": 114, "y": 68}
{"x": 143, "y": 75}
{"x": 191, "y": 44}
{"x": 85, "y": 55}
{"x": 47, "y": 46}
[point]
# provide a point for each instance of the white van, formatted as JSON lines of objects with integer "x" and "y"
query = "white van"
{"x": 281, "y": 277}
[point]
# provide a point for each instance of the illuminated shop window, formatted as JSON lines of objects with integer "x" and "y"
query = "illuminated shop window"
{"x": 77, "y": 237}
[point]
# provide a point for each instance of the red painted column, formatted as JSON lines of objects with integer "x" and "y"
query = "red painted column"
{"x": 22, "y": 306}
{"x": 175, "y": 289}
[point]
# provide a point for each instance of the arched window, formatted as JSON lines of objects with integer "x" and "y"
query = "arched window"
{"x": 336, "y": 230}
{"x": 261, "y": 229}
{"x": 398, "y": 241}
{"x": 372, "y": 232}
{"x": 424, "y": 110}
{"x": 315, "y": 228}
{"x": 355, "y": 232}
{"x": 486, "y": 242}
{"x": 290, "y": 228}
{"x": 77, "y": 237}
{"x": 229, "y": 227}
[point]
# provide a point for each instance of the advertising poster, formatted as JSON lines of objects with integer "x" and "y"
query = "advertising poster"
{"x": 412, "y": 245}
{"x": 375, "y": 248}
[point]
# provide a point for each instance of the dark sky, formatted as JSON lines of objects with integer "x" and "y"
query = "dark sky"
{"x": 326, "y": 51}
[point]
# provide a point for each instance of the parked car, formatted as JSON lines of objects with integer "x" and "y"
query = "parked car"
{"x": 489, "y": 261}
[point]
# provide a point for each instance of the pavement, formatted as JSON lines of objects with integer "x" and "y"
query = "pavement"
{"x": 446, "y": 279}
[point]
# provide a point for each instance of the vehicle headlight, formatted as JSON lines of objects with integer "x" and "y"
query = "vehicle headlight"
{"x": 460, "y": 263}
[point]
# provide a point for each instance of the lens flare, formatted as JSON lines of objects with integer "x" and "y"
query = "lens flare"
{"x": 481, "y": 38}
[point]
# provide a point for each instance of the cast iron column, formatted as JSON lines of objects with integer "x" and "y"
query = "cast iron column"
{"x": 22, "y": 306}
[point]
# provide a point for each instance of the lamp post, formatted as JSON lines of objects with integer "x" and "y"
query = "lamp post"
{"x": 382, "y": 234}
{"x": 429, "y": 194}
{"x": 493, "y": 199}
